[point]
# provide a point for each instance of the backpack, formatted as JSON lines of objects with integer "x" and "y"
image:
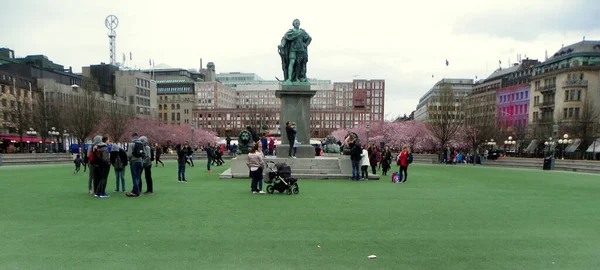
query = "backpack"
{"x": 118, "y": 162}
{"x": 95, "y": 157}
{"x": 398, "y": 160}
{"x": 395, "y": 177}
{"x": 409, "y": 159}
{"x": 138, "y": 150}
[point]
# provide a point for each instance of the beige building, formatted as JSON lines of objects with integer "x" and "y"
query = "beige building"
{"x": 561, "y": 84}
{"x": 140, "y": 90}
{"x": 428, "y": 106}
{"x": 17, "y": 96}
{"x": 480, "y": 105}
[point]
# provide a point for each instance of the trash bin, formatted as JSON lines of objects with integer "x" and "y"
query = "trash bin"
{"x": 549, "y": 163}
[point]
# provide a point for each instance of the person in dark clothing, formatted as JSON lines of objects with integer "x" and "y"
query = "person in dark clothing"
{"x": 101, "y": 164}
{"x": 147, "y": 167}
{"x": 355, "y": 157}
{"x": 219, "y": 157}
{"x": 265, "y": 145}
{"x": 181, "y": 160}
{"x": 386, "y": 160}
{"x": 118, "y": 158}
{"x": 157, "y": 153}
{"x": 228, "y": 140}
{"x": 373, "y": 155}
{"x": 255, "y": 137}
{"x": 84, "y": 159}
{"x": 189, "y": 155}
{"x": 209, "y": 155}
{"x": 290, "y": 131}
{"x": 77, "y": 162}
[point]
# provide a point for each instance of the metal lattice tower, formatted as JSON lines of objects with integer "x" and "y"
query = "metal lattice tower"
{"x": 111, "y": 23}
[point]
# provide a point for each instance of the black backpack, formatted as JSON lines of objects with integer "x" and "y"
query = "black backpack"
{"x": 409, "y": 158}
{"x": 119, "y": 165}
{"x": 138, "y": 150}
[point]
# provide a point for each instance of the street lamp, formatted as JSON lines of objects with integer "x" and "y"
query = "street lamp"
{"x": 368, "y": 128}
{"x": 510, "y": 142}
{"x": 563, "y": 143}
{"x": 549, "y": 144}
{"x": 31, "y": 132}
{"x": 53, "y": 133}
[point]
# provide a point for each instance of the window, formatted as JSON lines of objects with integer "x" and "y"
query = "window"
{"x": 178, "y": 107}
{"x": 178, "y": 116}
{"x": 172, "y": 106}
{"x": 172, "y": 116}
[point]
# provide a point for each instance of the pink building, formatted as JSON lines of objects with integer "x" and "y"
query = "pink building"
{"x": 512, "y": 106}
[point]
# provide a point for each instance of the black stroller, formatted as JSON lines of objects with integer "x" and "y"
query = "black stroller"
{"x": 281, "y": 179}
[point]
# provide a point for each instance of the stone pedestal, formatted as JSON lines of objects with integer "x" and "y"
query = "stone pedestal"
{"x": 295, "y": 107}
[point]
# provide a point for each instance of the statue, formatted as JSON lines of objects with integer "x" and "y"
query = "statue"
{"x": 245, "y": 142}
{"x": 331, "y": 145}
{"x": 350, "y": 139}
{"x": 294, "y": 53}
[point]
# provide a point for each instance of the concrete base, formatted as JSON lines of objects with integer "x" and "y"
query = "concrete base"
{"x": 302, "y": 168}
{"x": 295, "y": 107}
{"x": 302, "y": 151}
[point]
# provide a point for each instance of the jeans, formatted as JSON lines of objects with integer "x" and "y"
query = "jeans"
{"x": 355, "y": 171}
{"x": 364, "y": 169}
{"x": 100, "y": 177}
{"x": 256, "y": 179}
{"x": 120, "y": 174}
{"x": 148, "y": 175}
{"x": 91, "y": 178}
{"x": 292, "y": 148}
{"x": 136, "y": 172}
{"x": 208, "y": 163}
{"x": 181, "y": 172}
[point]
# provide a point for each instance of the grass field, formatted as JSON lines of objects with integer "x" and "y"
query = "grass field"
{"x": 445, "y": 217}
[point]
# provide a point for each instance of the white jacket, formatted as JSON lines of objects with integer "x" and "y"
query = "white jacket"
{"x": 364, "y": 158}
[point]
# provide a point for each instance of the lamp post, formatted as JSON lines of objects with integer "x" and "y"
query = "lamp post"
{"x": 549, "y": 144}
{"x": 563, "y": 143}
{"x": 368, "y": 128}
{"x": 510, "y": 142}
{"x": 66, "y": 135}
{"x": 53, "y": 133}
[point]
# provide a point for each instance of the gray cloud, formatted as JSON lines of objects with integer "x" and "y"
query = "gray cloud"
{"x": 527, "y": 25}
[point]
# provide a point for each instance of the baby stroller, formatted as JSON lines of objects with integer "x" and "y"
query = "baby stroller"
{"x": 281, "y": 179}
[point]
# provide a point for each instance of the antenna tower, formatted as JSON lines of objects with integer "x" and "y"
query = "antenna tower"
{"x": 111, "y": 23}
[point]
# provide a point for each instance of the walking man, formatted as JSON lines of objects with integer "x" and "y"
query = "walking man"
{"x": 209, "y": 155}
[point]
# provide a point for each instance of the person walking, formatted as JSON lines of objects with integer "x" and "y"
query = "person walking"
{"x": 373, "y": 156}
{"x": 147, "y": 169}
{"x": 290, "y": 131}
{"x": 364, "y": 165}
{"x": 100, "y": 160}
{"x": 77, "y": 162}
{"x": 181, "y": 159}
{"x": 209, "y": 155}
{"x": 118, "y": 158}
{"x": 271, "y": 146}
{"x": 355, "y": 157}
{"x": 158, "y": 153}
{"x": 136, "y": 154}
{"x": 190, "y": 154}
{"x": 403, "y": 156}
{"x": 256, "y": 166}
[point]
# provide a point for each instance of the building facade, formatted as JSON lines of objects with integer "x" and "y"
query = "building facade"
{"x": 229, "y": 110}
{"x": 140, "y": 90}
{"x": 17, "y": 100}
{"x": 428, "y": 105}
{"x": 561, "y": 84}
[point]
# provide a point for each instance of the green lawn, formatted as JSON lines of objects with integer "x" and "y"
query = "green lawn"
{"x": 445, "y": 217}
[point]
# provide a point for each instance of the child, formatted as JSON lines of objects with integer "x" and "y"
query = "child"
{"x": 77, "y": 162}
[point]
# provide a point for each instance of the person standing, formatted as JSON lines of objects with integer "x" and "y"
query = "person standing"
{"x": 373, "y": 156}
{"x": 364, "y": 165}
{"x": 181, "y": 158}
{"x": 256, "y": 166}
{"x": 290, "y": 131}
{"x": 136, "y": 154}
{"x": 90, "y": 167}
{"x": 355, "y": 157}
{"x": 101, "y": 162}
{"x": 209, "y": 155}
{"x": 118, "y": 158}
{"x": 228, "y": 141}
{"x": 386, "y": 160}
{"x": 158, "y": 153}
{"x": 271, "y": 146}
{"x": 77, "y": 162}
{"x": 147, "y": 169}
{"x": 403, "y": 156}
{"x": 264, "y": 143}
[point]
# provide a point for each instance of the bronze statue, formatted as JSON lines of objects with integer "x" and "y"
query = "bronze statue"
{"x": 294, "y": 53}
{"x": 245, "y": 142}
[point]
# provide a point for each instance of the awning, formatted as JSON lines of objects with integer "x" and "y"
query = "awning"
{"x": 594, "y": 147}
{"x": 532, "y": 146}
{"x": 13, "y": 137}
{"x": 572, "y": 147}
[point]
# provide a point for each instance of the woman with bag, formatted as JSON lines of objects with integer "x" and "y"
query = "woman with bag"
{"x": 256, "y": 166}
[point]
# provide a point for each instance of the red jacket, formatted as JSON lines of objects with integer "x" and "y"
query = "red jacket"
{"x": 403, "y": 156}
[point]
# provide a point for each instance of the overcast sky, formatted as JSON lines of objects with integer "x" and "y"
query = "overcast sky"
{"x": 403, "y": 42}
